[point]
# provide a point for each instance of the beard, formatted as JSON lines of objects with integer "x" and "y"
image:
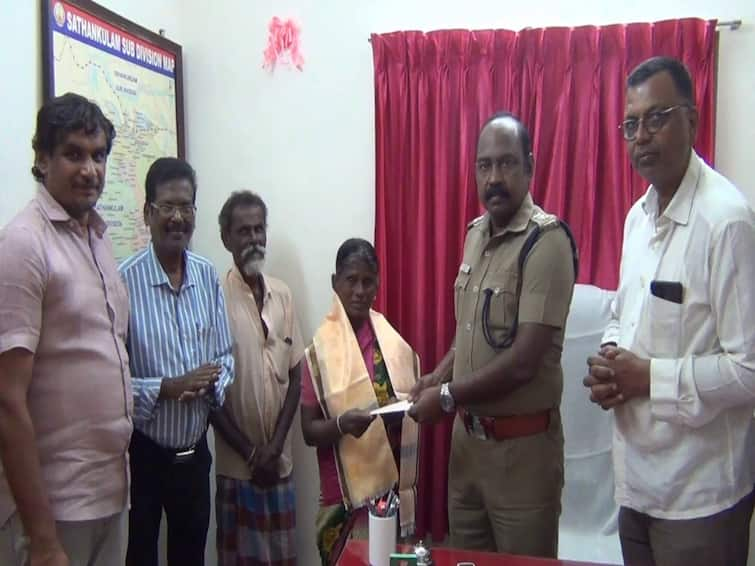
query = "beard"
{"x": 253, "y": 260}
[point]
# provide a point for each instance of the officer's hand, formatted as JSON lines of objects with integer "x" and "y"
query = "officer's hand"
{"x": 428, "y": 380}
{"x": 355, "y": 422}
{"x": 427, "y": 409}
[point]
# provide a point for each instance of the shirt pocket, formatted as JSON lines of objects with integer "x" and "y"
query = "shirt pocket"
{"x": 665, "y": 321}
{"x": 278, "y": 352}
{"x": 501, "y": 288}
{"x": 204, "y": 334}
{"x": 460, "y": 287}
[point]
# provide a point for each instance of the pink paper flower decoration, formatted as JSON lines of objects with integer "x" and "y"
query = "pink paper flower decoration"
{"x": 282, "y": 45}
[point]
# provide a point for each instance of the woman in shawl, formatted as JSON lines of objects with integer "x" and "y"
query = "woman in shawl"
{"x": 356, "y": 363}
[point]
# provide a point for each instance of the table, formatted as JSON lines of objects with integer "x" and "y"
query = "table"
{"x": 356, "y": 554}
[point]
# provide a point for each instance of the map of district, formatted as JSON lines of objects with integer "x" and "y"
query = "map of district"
{"x": 141, "y": 104}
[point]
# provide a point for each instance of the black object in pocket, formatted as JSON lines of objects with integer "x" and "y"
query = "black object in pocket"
{"x": 668, "y": 290}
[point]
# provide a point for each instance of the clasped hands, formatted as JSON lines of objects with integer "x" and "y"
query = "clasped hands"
{"x": 615, "y": 376}
{"x": 264, "y": 465}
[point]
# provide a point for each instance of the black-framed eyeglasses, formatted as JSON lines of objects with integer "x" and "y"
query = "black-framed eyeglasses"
{"x": 652, "y": 122}
{"x": 168, "y": 210}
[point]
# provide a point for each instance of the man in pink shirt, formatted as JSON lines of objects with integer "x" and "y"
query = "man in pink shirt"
{"x": 65, "y": 394}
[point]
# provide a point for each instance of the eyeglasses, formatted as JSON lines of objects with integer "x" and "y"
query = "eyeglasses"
{"x": 652, "y": 121}
{"x": 167, "y": 211}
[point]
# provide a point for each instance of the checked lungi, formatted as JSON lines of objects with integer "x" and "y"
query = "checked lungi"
{"x": 255, "y": 527}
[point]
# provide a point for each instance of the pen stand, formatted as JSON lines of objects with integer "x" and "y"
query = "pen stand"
{"x": 382, "y": 538}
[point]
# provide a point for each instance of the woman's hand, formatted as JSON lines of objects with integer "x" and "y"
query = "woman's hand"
{"x": 355, "y": 422}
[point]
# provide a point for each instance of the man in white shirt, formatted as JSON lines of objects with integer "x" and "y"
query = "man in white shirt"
{"x": 677, "y": 364}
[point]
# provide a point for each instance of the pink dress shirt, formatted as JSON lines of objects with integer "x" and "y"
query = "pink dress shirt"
{"x": 61, "y": 298}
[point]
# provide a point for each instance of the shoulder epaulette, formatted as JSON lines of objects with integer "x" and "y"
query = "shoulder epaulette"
{"x": 544, "y": 220}
{"x": 475, "y": 222}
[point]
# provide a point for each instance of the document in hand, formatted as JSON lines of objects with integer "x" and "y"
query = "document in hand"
{"x": 400, "y": 407}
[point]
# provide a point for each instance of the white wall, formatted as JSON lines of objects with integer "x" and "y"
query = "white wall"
{"x": 305, "y": 141}
{"x": 20, "y": 95}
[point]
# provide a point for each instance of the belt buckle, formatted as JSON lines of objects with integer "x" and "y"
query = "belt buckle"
{"x": 477, "y": 430}
{"x": 184, "y": 456}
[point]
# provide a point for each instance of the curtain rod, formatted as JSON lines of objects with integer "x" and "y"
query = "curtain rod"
{"x": 733, "y": 25}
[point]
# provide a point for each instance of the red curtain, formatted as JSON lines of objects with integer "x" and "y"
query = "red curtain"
{"x": 434, "y": 90}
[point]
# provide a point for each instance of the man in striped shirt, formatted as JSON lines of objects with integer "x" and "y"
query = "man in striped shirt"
{"x": 181, "y": 364}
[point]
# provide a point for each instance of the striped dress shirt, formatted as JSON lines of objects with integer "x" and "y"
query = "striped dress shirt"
{"x": 170, "y": 334}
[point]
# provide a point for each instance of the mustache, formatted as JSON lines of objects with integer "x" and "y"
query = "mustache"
{"x": 87, "y": 185}
{"x": 496, "y": 191}
{"x": 179, "y": 226}
{"x": 251, "y": 250}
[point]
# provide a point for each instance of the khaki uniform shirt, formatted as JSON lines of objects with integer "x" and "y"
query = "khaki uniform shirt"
{"x": 547, "y": 286}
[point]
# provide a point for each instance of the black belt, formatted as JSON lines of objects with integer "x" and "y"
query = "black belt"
{"x": 176, "y": 455}
{"x": 184, "y": 455}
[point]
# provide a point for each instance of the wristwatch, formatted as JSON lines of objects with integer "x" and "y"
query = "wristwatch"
{"x": 447, "y": 402}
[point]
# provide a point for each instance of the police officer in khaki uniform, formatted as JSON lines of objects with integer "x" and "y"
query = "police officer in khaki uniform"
{"x": 503, "y": 374}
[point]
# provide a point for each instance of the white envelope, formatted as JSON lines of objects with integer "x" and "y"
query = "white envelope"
{"x": 400, "y": 407}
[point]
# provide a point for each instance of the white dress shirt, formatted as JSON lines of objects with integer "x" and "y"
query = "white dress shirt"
{"x": 689, "y": 450}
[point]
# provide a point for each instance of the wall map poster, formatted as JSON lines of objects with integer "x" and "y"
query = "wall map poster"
{"x": 135, "y": 77}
